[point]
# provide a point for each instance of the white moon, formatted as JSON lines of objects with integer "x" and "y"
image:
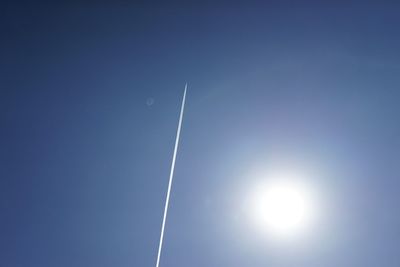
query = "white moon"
{"x": 282, "y": 206}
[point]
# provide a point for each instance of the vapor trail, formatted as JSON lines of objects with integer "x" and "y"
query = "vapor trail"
{"x": 171, "y": 175}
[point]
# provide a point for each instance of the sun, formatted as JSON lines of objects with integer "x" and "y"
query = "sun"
{"x": 282, "y": 206}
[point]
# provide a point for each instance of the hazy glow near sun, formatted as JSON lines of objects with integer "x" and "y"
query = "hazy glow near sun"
{"x": 282, "y": 206}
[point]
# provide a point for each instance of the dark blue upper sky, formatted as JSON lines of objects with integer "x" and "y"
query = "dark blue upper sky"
{"x": 89, "y": 103}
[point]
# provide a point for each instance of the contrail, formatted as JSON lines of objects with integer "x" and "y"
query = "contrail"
{"x": 171, "y": 175}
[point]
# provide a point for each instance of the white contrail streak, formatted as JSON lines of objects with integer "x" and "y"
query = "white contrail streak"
{"x": 171, "y": 175}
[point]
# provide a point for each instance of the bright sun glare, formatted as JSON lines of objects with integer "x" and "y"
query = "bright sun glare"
{"x": 283, "y": 207}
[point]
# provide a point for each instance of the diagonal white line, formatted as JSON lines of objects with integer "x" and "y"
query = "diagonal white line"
{"x": 171, "y": 175}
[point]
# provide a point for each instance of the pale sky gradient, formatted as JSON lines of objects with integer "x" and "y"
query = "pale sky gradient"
{"x": 84, "y": 157}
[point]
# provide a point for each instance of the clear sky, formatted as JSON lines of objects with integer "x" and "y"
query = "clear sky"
{"x": 89, "y": 104}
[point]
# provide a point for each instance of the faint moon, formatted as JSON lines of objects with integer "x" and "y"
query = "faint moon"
{"x": 150, "y": 101}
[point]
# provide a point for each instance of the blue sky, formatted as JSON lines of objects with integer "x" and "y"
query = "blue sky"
{"x": 85, "y": 156}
